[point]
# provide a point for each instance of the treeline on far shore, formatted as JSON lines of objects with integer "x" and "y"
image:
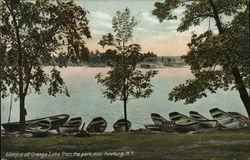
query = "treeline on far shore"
{"x": 149, "y": 60}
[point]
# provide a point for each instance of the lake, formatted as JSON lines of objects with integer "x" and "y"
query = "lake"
{"x": 87, "y": 100}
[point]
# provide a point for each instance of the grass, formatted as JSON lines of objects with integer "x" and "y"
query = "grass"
{"x": 219, "y": 145}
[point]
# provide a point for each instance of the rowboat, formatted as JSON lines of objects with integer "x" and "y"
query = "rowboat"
{"x": 227, "y": 120}
{"x": 204, "y": 123}
{"x": 39, "y": 128}
{"x": 183, "y": 123}
{"x": 157, "y": 119}
{"x": 98, "y": 124}
{"x": 241, "y": 117}
{"x": 71, "y": 126}
{"x": 197, "y": 116}
{"x": 120, "y": 125}
{"x": 56, "y": 121}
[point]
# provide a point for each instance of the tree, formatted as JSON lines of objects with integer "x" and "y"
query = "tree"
{"x": 162, "y": 59}
{"x": 218, "y": 60}
{"x": 124, "y": 81}
{"x": 33, "y": 34}
{"x": 150, "y": 57}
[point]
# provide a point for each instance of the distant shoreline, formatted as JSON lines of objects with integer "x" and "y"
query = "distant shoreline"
{"x": 149, "y": 63}
{"x": 171, "y": 66}
{"x": 142, "y": 65}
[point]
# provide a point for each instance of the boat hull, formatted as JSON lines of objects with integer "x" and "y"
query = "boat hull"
{"x": 71, "y": 126}
{"x": 208, "y": 124}
{"x": 157, "y": 119}
{"x": 56, "y": 121}
{"x": 40, "y": 128}
{"x": 40, "y": 134}
{"x": 97, "y": 129}
{"x": 120, "y": 125}
{"x": 64, "y": 130}
{"x": 13, "y": 127}
{"x": 241, "y": 117}
{"x": 184, "y": 123}
{"x": 227, "y": 120}
{"x": 187, "y": 127}
{"x": 234, "y": 125}
{"x": 97, "y": 125}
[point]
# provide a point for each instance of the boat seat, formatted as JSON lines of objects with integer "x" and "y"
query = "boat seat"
{"x": 168, "y": 126}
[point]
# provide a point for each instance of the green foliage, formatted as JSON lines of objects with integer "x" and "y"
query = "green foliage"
{"x": 164, "y": 9}
{"x": 214, "y": 58}
{"x": 124, "y": 81}
{"x": 137, "y": 84}
{"x": 123, "y": 26}
{"x": 196, "y": 11}
{"x": 37, "y": 34}
{"x": 150, "y": 57}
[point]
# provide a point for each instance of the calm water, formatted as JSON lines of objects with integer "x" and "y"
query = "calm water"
{"x": 88, "y": 102}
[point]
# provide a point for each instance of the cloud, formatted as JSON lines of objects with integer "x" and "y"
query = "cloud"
{"x": 146, "y": 16}
{"x": 100, "y": 19}
{"x": 177, "y": 21}
{"x": 141, "y": 29}
{"x": 97, "y": 32}
{"x": 105, "y": 24}
{"x": 179, "y": 11}
{"x": 101, "y": 15}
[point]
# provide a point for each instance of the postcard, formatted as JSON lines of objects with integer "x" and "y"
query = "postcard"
{"x": 124, "y": 80}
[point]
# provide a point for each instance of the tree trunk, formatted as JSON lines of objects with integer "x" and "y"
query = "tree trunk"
{"x": 1, "y": 83}
{"x": 125, "y": 113}
{"x": 21, "y": 97}
{"x": 242, "y": 89}
{"x": 20, "y": 71}
{"x": 235, "y": 71}
{"x": 0, "y": 98}
{"x": 22, "y": 113}
{"x": 216, "y": 17}
{"x": 0, "y": 90}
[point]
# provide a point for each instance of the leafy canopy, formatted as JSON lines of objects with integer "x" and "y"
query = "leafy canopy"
{"x": 124, "y": 81}
{"x": 33, "y": 33}
{"x": 212, "y": 56}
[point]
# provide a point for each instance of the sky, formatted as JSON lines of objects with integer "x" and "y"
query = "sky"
{"x": 160, "y": 38}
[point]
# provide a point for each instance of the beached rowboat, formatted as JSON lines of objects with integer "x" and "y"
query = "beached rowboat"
{"x": 71, "y": 126}
{"x": 98, "y": 124}
{"x": 56, "y": 121}
{"x": 241, "y": 117}
{"x": 204, "y": 123}
{"x": 227, "y": 120}
{"x": 184, "y": 123}
{"x": 39, "y": 128}
{"x": 157, "y": 119}
{"x": 120, "y": 125}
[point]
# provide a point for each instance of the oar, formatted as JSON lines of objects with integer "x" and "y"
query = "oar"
{"x": 82, "y": 127}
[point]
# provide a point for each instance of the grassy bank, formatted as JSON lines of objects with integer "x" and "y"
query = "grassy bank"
{"x": 230, "y": 145}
